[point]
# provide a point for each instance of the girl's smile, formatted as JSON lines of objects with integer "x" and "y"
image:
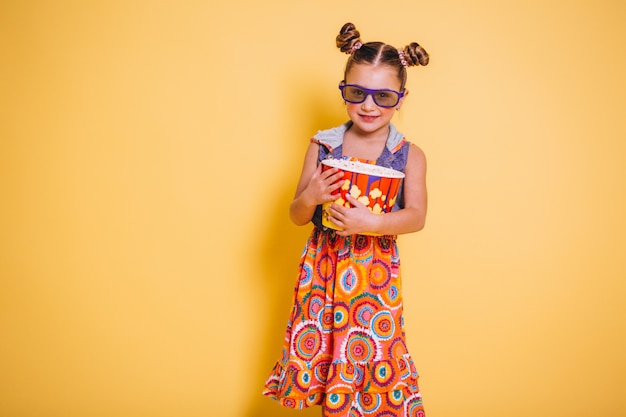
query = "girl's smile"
{"x": 368, "y": 118}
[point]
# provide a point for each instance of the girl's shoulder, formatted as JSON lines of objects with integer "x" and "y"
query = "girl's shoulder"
{"x": 331, "y": 138}
{"x": 396, "y": 141}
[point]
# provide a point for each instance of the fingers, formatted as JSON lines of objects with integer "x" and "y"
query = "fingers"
{"x": 333, "y": 174}
{"x": 335, "y": 211}
{"x": 355, "y": 203}
{"x": 336, "y": 217}
{"x": 337, "y": 176}
{"x": 331, "y": 181}
{"x": 335, "y": 186}
{"x": 337, "y": 214}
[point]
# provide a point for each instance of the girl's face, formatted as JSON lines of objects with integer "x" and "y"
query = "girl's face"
{"x": 369, "y": 118}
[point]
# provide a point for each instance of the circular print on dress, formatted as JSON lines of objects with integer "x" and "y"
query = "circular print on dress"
{"x": 289, "y": 403}
{"x": 325, "y": 267}
{"x": 369, "y": 402}
{"x": 384, "y": 374}
{"x": 382, "y": 325}
{"x": 336, "y": 402}
{"x": 351, "y": 280}
{"x": 307, "y": 341}
{"x": 380, "y": 275}
{"x": 395, "y": 399}
{"x": 316, "y": 304}
{"x": 341, "y": 316}
{"x": 363, "y": 309}
{"x": 302, "y": 380}
{"x": 360, "y": 347}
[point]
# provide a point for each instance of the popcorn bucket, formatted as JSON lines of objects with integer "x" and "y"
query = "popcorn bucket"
{"x": 375, "y": 186}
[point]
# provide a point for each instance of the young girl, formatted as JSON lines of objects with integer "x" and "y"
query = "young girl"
{"x": 345, "y": 345}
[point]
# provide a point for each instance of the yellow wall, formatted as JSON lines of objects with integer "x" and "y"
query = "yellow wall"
{"x": 149, "y": 149}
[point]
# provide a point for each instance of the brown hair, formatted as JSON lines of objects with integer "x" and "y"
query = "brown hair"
{"x": 378, "y": 53}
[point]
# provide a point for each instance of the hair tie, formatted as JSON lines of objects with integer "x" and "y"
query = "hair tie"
{"x": 357, "y": 45}
{"x": 403, "y": 59}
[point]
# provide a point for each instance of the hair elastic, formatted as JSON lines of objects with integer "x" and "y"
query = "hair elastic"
{"x": 403, "y": 59}
{"x": 357, "y": 45}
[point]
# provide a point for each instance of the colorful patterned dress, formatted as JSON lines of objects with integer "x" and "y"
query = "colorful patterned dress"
{"x": 345, "y": 347}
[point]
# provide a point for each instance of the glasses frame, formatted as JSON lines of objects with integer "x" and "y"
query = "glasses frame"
{"x": 369, "y": 92}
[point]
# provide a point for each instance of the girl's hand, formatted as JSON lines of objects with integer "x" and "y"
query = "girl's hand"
{"x": 353, "y": 220}
{"x": 322, "y": 185}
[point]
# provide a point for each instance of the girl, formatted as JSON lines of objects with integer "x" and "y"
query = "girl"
{"x": 345, "y": 345}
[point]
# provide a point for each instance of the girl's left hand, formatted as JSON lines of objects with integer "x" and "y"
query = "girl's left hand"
{"x": 353, "y": 220}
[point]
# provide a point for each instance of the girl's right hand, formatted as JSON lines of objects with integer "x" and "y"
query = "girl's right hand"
{"x": 323, "y": 185}
{"x": 314, "y": 187}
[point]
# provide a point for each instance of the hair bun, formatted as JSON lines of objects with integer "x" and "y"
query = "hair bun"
{"x": 348, "y": 37}
{"x": 415, "y": 55}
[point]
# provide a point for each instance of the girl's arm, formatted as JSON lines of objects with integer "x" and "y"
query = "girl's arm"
{"x": 314, "y": 187}
{"x": 411, "y": 218}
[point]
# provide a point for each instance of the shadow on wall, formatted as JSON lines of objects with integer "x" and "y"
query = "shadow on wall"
{"x": 279, "y": 254}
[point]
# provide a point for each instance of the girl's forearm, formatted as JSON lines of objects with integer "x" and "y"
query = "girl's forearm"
{"x": 407, "y": 220}
{"x": 301, "y": 211}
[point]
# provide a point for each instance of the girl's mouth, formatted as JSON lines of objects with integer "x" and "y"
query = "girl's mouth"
{"x": 366, "y": 118}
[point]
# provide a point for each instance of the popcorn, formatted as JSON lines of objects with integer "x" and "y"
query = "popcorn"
{"x": 363, "y": 168}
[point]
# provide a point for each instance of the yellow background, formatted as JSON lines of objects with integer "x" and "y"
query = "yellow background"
{"x": 149, "y": 151}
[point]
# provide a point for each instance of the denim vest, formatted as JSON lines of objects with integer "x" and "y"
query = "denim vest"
{"x": 394, "y": 156}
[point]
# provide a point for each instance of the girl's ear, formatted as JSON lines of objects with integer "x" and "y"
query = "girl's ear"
{"x": 406, "y": 93}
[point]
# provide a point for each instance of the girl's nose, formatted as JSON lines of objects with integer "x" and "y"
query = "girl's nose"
{"x": 368, "y": 104}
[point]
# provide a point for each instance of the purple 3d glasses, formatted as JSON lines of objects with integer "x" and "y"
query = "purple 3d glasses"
{"x": 353, "y": 93}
